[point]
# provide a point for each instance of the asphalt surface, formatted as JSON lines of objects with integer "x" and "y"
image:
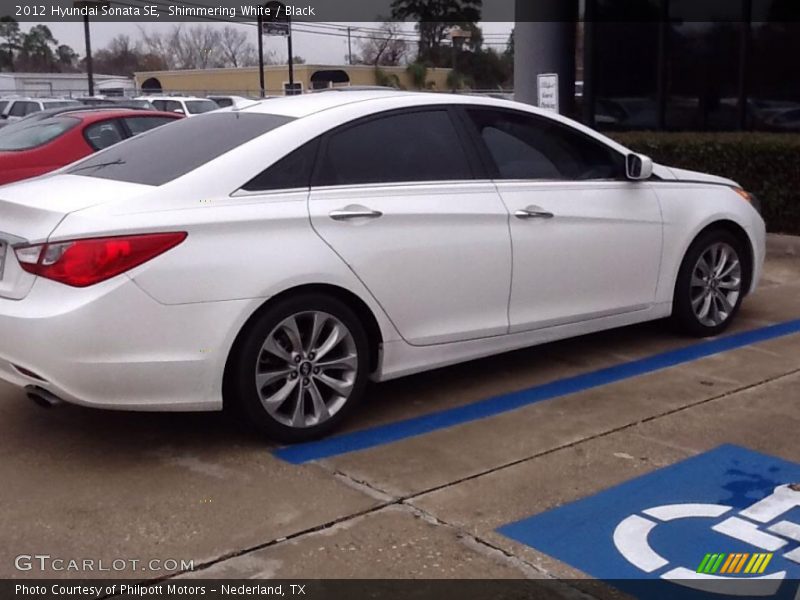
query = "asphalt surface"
{"x": 86, "y": 484}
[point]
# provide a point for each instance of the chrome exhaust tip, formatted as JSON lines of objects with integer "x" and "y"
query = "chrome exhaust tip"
{"x": 42, "y": 397}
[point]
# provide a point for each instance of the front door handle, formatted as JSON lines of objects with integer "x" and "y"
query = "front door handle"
{"x": 354, "y": 212}
{"x": 533, "y": 212}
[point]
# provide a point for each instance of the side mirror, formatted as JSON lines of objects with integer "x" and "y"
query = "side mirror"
{"x": 638, "y": 167}
{"x": 178, "y": 110}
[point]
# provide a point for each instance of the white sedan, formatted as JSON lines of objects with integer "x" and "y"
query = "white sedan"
{"x": 275, "y": 258}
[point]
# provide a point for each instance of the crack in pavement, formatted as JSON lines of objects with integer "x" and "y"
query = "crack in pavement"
{"x": 386, "y": 500}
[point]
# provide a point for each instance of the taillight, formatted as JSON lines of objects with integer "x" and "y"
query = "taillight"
{"x": 81, "y": 263}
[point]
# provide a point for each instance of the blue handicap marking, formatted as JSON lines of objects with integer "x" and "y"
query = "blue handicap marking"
{"x": 649, "y": 536}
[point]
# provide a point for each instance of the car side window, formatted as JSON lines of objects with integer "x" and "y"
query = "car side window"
{"x": 159, "y": 104}
{"x": 529, "y": 147}
{"x": 22, "y": 108}
{"x": 138, "y": 125}
{"x": 102, "y": 135}
{"x": 421, "y": 145}
{"x": 292, "y": 171}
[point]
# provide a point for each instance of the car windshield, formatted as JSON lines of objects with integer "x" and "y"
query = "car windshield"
{"x": 195, "y": 107}
{"x": 35, "y": 134}
{"x": 167, "y": 153}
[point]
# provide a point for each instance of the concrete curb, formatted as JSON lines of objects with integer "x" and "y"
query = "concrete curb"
{"x": 783, "y": 245}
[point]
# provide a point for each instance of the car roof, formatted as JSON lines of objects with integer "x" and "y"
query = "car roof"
{"x": 307, "y": 104}
{"x": 178, "y": 98}
{"x": 89, "y": 116}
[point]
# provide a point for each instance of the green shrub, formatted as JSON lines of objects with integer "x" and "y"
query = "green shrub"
{"x": 766, "y": 164}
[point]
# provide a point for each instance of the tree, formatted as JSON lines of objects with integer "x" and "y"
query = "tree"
{"x": 37, "y": 53}
{"x": 123, "y": 56}
{"x": 201, "y": 47}
{"x": 10, "y": 42}
{"x": 385, "y": 48}
{"x": 66, "y": 58}
{"x": 434, "y": 20}
{"x": 236, "y": 48}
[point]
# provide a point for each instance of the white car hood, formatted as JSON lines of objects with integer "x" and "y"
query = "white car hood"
{"x": 697, "y": 176}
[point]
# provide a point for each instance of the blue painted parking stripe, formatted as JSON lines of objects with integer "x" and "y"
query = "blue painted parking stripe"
{"x": 400, "y": 430}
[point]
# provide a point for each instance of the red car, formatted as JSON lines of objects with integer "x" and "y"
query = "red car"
{"x": 48, "y": 144}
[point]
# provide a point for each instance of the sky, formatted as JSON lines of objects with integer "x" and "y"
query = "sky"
{"x": 316, "y": 48}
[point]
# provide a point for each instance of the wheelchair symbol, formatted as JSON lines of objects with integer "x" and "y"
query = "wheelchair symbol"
{"x": 630, "y": 538}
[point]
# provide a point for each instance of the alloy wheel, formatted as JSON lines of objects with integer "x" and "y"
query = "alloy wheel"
{"x": 716, "y": 284}
{"x": 306, "y": 369}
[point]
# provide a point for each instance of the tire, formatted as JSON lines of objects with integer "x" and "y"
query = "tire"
{"x": 272, "y": 367}
{"x": 702, "y": 285}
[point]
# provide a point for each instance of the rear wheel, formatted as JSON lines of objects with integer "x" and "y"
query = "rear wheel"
{"x": 711, "y": 284}
{"x": 300, "y": 368}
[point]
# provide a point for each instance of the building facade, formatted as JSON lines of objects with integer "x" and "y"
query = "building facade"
{"x": 736, "y": 69}
{"x": 63, "y": 84}
{"x": 245, "y": 80}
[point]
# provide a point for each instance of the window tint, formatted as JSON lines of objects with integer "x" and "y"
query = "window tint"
{"x": 168, "y": 105}
{"x": 223, "y": 102}
{"x": 103, "y": 134}
{"x": 415, "y": 146}
{"x": 169, "y": 152}
{"x": 292, "y": 171}
{"x": 139, "y": 125}
{"x": 196, "y": 107}
{"x": 20, "y": 109}
{"x": 529, "y": 147}
{"x": 36, "y": 134}
{"x": 3, "y": 104}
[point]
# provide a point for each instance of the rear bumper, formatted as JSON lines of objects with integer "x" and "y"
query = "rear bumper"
{"x": 113, "y": 346}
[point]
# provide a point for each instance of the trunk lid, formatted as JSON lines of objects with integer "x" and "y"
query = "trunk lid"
{"x": 31, "y": 210}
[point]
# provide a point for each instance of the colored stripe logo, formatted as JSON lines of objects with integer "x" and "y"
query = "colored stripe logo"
{"x": 735, "y": 563}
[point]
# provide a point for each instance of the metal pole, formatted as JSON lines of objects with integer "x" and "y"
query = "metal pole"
{"x": 589, "y": 26}
{"x": 89, "y": 70}
{"x": 744, "y": 62}
{"x": 349, "y": 48}
{"x": 261, "y": 56}
{"x": 663, "y": 52}
{"x": 291, "y": 58}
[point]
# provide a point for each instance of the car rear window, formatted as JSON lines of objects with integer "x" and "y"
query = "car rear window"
{"x": 166, "y": 153}
{"x": 36, "y": 134}
{"x": 195, "y": 107}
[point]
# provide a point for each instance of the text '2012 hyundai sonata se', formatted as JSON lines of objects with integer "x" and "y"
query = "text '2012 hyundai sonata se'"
{"x": 277, "y": 257}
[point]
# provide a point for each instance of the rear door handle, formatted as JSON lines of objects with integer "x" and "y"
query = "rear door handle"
{"x": 354, "y": 212}
{"x": 533, "y": 212}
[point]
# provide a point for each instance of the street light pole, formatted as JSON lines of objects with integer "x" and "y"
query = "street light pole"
{"x": 88, "y": 5}
{"x": 261, "y": 56}
{"x": 89, "y": 68}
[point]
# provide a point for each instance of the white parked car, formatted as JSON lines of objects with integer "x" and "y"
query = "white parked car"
{"x": 14, "y": 109}
{"x": 277, "y": 257}
{"x": 185, "y": 105}
{"x": 232, "y": 101}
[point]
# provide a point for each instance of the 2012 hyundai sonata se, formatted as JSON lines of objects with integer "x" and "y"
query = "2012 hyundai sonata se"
{"x": 277, "y": 257}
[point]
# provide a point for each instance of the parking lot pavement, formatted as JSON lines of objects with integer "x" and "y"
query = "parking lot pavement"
{"x": 91, "y": 484}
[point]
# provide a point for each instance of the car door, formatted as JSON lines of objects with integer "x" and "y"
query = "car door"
{"x": 587, "y": 242}
{"x": 103, "y": 134}
{"x": 399, "y": 198}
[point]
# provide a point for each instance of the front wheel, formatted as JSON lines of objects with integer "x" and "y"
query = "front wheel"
{"x": 711, "y": 284}
{"x": 300, "y": 368}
